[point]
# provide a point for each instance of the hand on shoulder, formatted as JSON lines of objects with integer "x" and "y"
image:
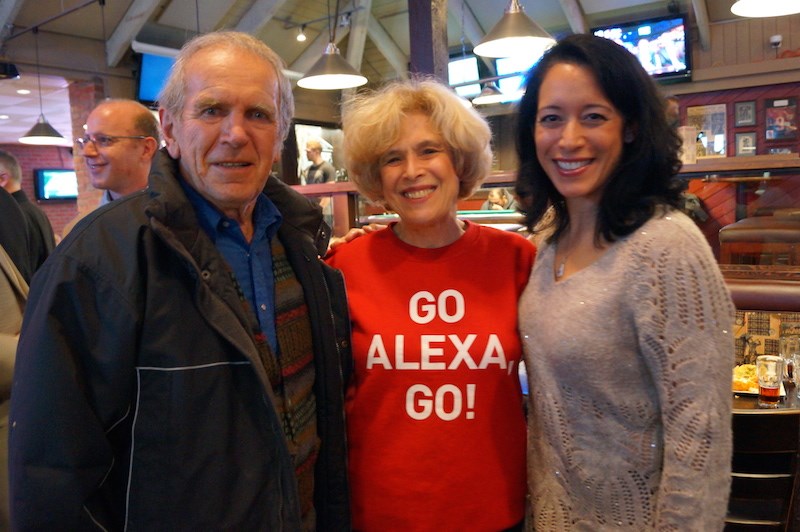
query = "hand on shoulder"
{"x": 354, "y": 233}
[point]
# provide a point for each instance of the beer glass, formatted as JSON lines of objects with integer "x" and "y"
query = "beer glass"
{"x": 769, "y": 369}
{"x": 789, "y": 350}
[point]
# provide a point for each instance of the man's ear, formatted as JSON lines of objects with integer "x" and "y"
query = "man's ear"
{"x": 151, "y": 146}
{"x": 5, "y": 177}
{"x": 168, "y": 131}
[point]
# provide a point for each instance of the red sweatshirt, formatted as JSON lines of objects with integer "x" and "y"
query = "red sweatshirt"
{"x": 436, "y": 430}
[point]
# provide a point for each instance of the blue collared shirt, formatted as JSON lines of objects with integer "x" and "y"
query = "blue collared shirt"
{"x": 251, "y": 262}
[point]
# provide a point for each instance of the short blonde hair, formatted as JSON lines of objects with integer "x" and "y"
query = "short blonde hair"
{"x": 371, "y": 124}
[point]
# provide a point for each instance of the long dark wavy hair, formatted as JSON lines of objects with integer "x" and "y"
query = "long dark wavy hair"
{"x": 644, "y": 176}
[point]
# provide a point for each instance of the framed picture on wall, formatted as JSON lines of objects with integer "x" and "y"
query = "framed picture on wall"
{"x": 781, "y": 119}
{"x": 745, "y": 144}
{"x": 744, "y": 114}
{"x": 710, "y": 121}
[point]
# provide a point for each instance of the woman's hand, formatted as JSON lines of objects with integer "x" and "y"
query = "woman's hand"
{"x": 354, "y": 233}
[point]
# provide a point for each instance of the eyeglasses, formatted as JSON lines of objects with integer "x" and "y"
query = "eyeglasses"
{"x": 104, "y": 141}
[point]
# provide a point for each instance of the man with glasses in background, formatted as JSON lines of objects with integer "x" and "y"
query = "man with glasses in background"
{"x": 120, "y": 140}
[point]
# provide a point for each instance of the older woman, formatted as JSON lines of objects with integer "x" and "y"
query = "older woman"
{"x": 626, "y": 318}
{"x": 435, "y": 421}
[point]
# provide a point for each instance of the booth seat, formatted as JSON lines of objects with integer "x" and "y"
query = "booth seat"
{"x": 771, "y": 239}
{"x": 770, "y": 295}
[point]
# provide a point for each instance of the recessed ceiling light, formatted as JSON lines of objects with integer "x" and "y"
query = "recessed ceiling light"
{"x": 23, "y": 91}
{"x": 4, "y": 117}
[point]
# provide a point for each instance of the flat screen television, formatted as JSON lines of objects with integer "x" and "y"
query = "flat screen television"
{"x": 661, "y": 45}
{"x": 55, "y": 184}
{"x": 153, "y": 72}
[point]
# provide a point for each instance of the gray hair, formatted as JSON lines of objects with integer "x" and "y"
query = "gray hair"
{"x": 171, "y": 97}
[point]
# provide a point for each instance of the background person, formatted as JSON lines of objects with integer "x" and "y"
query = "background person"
{"x": 40, "y": 232}
{"x": 436, "y": 430}
{"x": 499, "y": 199}
{"x": 13, "y": 294}
{"x": 15, "y": 235}
{"x": 180, "y": 367}
{"x": 672, "y": 108}
{"x": 320, "y": 170}
{"x": 121, "y": 139}
{"x": 626, "y": 319}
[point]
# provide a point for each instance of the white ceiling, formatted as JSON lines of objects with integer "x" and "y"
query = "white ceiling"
{"x": 384, "y": 51}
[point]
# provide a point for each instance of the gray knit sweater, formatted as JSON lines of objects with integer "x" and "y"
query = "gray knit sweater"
{"x": 629, "y": 367}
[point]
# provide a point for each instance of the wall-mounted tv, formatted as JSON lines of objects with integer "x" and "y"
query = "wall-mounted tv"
{"x": 55, "y": 184}
{"x": 153, "y": 72}
{"x": 661, "y": 45}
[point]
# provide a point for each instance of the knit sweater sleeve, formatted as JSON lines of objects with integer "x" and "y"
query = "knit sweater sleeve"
{"x": 684, "y": 316}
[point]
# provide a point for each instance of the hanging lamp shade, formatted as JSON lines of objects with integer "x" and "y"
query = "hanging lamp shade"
{"x": 765, "y": 8}
{"x": 43, "y": 134}
{"x": 515, "y": 34}
{"x": 331, "y": 72}
{"x": 489, "y": 94}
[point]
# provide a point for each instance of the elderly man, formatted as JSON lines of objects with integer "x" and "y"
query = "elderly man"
{"x": 122, "y": 137}
{"x": 181, "y": 367}
{"x": 41, "y": 239}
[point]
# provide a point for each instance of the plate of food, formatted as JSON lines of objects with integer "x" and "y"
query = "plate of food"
{"x": 745, "y": 380}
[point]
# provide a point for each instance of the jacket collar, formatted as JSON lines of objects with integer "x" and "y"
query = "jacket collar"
{"x": 170, "y": 205}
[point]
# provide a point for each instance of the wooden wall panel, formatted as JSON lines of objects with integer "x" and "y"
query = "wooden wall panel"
{"x": 747, "y": 41}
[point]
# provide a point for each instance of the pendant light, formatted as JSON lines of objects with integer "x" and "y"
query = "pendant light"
{"x": 515, "y": 34}
{"x": 42, "y": 133}
{"x": 332, "y": 71}
{"x": 765, "y": 8}
{"x": 489, "y": 95}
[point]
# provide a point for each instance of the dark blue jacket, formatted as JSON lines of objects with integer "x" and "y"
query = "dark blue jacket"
{"x": 139, "y": 401}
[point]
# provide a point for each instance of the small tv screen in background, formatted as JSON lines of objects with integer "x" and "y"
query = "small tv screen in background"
{"x": 660, "y": 44}
{"x": 153, "y": 74}
{"x": 55, "y": 184}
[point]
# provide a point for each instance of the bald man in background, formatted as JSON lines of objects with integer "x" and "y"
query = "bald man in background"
{"x": 121, "y": 138}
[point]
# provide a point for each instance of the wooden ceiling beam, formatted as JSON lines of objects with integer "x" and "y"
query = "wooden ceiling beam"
{"x": 137, "y": 15}
{"x": 388, "y": 48}
{"x": 259, "y": 14}
{"x": 8, "y": 12}
{"x": 461, "y": 11}
{"x": 575, "y": 16}
{"x": 359, "y": 27}
{"x": 701, "y": 19}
